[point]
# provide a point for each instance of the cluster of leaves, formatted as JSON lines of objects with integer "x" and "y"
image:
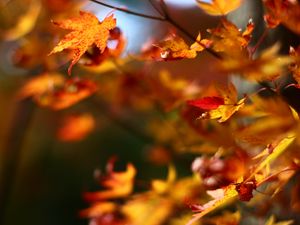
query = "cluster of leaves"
{"x": 243, "y": 141}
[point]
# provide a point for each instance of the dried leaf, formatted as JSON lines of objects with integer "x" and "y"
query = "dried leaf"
{"x": 219, "y": 7}
{"x": 86, "y": 30}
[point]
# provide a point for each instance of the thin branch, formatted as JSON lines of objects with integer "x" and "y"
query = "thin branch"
{"x": 183, "y": 30}
{"x": 129, "y": 11}
{"x": 166, "y": 18}
{"x": 158, "y": 10}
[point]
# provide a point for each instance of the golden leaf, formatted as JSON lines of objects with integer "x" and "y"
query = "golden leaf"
{"x": 86, "y": 30}
{"x": 119, "y": 184}
{"x": 230, "y": 106}
{"x": 271, "y": 221}
{"x": 219, "y": 7}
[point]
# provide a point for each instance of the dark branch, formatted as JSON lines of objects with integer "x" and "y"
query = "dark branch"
{"x": 129, "y": 11}
{"x": 166, "y": 18}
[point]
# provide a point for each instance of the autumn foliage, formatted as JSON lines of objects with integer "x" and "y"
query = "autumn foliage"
{"x": 239, "y": 147}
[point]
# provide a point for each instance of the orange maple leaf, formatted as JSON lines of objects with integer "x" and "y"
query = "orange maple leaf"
{"x": 286, "y": 12}
{"x": 174, "y": 47}
{"x": 118, "y": 184}
{"x": 86, "y": 30}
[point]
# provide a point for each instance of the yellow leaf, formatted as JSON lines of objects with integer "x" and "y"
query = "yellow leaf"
{"x": 219, "y": 7}
{"x": 86, "y": 30}
{"x": 230, "y": 40}
{"x": 272, "y": 155}
{"x": 268, "y": 66}
{"x": 271, "y": 221}
{"x": 119, "y": 184}
{"x": 221, "y": 196}
{"x": 160, "y": 186}
{"x": 230, "y": 106}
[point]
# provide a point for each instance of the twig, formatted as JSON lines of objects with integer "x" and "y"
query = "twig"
{"x": 129, "y": 11}
{"x": 166, "y": 18}
{"x": 156, "y": 8}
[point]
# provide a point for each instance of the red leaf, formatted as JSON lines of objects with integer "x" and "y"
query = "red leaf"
{"x": 208, "y": 103}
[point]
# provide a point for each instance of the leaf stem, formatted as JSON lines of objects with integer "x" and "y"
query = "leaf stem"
{"x": 259, "y": 42}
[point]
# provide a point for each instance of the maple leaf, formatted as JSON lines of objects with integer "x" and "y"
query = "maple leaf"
{"x": 270, "y": 21}
{"x": 229, "y": 40}
{"x": 174, "y": 47}
{"x": 244, "y": 187}
{"x": 209, "y": 103}
{"x": 268, "y": 66}
{"x": 119, "y": 184}
{"x": 86, "y": 30}
{"x": 220, "y": 196}
{"x": 219, "y": 7}
{"x": 295, "y": 65}
{"x": 287, "y": 12}
{"x": 230, "y": 104}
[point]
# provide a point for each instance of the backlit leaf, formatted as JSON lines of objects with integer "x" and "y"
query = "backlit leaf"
{"x": 228, "y": 108}
{"x": 86, "y": 30}
{"x": 207, "y": 102}
{"x": 219, "y": 7}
